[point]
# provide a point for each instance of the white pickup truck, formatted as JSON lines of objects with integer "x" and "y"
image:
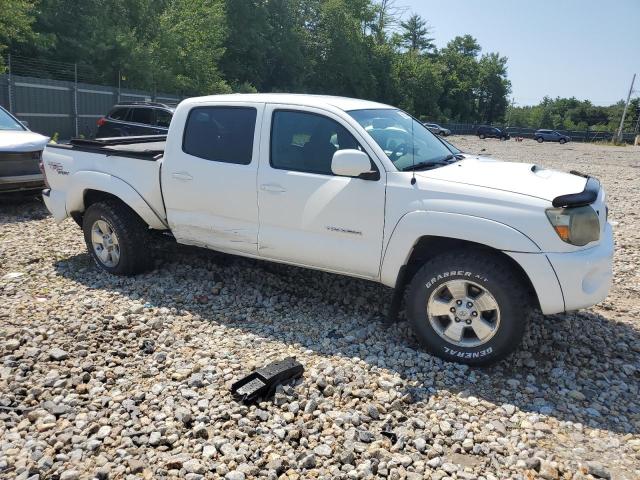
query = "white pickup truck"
{"x": 352, "y": 187}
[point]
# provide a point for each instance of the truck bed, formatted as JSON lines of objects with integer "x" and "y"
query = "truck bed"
{"x": 149, "y": 147}
{"x": 136, "y": 161}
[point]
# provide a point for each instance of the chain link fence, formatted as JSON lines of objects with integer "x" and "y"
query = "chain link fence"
{"x": 55, "y": 97}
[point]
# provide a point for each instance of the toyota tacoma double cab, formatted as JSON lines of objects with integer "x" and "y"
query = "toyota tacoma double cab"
{"x": 470, "y": 245}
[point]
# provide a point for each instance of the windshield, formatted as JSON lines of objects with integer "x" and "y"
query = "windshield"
{"x": 405, "y": 140}
{"x": 455, "y": 150}
{"x": 7, "y": 122}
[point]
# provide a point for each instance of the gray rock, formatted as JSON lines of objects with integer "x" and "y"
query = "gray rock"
{"x": 598, "y": 470}
{"x": 58, "y": 355}
{"x": 308, "y": 460}
{"x": 235, "y": 475}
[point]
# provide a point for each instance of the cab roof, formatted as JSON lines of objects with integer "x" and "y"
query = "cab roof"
{"x": 342, "y": 103}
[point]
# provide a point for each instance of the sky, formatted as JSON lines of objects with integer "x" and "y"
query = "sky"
{"x": 588, "y": 49}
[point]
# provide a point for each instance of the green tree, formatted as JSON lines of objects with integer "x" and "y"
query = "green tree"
{"x": 493, "y": 88}
{"x": 16, "y": 18}
{"x": 460, "y": 79}
{"x": 415, "y": 34}
{"x": 190, "y": 45}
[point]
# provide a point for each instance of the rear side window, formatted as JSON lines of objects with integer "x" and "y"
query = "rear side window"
{"x": 119, "y": 113}
{"x": 306, "y": 142}
{"x": 221, "y": 134}
{"x": 142, "y": 115}
{"x": 163, "y": 118}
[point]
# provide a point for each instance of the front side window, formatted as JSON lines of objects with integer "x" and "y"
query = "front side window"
{"x": 306, "y": 142}
{"x": 404, "y": 140}
{"x": 7, "y": 122}
{"x": 221, "y": 134}
{"x": 142, "y": 115}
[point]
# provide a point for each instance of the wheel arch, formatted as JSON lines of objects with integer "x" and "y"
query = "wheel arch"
{"x": 95, "y": 186}
{"x": 429, "y": 246}
{"x": 410, "y": 246}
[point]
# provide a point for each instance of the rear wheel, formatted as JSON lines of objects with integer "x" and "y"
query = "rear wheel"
{"x": 468, "y": 307}
{"x": 116, "y": 238}
{"x": 481, "y": 136}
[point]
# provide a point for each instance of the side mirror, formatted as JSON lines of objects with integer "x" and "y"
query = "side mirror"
{"x": 24, "y": 123}
{"x": 350, "y": 163}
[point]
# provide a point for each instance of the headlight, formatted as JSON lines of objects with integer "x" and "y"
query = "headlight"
{"x": 575, "y": 225}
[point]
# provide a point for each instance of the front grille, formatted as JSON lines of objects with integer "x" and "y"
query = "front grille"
{"x": 13, "y": 164}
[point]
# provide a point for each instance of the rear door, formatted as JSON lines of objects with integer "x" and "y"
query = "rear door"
{"x": 209, "y": 178}
{"x": 308, "y": 215}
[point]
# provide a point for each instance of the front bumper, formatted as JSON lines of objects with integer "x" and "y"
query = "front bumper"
{"x": 585, "y": 276}
{"x": 56, "y": 204}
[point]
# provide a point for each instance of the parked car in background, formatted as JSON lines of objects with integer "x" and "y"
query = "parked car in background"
{"x": 492, "y": 132}
{"x": 20, "y": 153}
{"x": 550, "y": 136}
{"x": 351, "y": 187}
{"x": 437, "y": 129}
{"x": 136, "y": 118}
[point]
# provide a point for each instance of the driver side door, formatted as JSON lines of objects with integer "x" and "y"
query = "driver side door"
{"x": 307, "y": 215}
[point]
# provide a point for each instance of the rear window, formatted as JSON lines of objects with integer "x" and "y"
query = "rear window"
{"x": 142, "y": 115}
{"x": 220, "y": 134}
{"x": 119, "y": 113}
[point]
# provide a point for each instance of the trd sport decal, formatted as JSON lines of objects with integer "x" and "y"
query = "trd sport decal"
{"x": 58, "y": 168}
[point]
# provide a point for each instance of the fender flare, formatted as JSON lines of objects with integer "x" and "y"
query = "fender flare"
{"x": 87, "y": 180}
{"x": 415, "y": 225}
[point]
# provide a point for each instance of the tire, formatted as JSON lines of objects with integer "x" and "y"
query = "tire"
{"x": 562, "y": 141}
{"x": 539, "y": 139}
{"x": 470, "y": 272}
{"x": 481, "y": 136}
{"x": 123, "y": 232}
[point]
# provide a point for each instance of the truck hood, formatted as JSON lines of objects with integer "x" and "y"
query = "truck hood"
{"x": 523, "y": 178}
{"x": 21, "y": 141}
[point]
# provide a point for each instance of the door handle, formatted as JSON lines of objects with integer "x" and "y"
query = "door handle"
{"x": 272, "y": 188}
{"x": 181, "y": 176}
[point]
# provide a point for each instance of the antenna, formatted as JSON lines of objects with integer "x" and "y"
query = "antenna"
{"x": 413, "y": 154}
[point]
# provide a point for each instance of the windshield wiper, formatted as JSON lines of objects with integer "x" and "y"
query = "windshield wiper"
{"x": 431, "y": 164}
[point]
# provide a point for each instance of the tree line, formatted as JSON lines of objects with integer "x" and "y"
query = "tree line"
{"x": 574, "y": 114}
{"x": 371, "y": 49}
{"x": 358, "y": 48}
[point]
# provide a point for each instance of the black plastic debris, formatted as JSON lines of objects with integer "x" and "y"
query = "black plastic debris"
{"x": 263, "y": 382}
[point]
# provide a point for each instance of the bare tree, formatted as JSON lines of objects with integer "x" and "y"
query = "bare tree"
{"x": 387, "y": 17}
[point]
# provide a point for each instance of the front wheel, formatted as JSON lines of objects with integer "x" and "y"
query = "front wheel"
{"x": 540, "y": 139}
{"x": 468, "y": 308}
{"x": 116, "y": 238}
{"x": 562, "y": 141}
{"x": 481, "y": 136}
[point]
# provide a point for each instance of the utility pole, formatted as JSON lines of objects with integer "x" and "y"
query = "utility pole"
{"x": 512, "y": 104}
{"x": 626, "y": 105}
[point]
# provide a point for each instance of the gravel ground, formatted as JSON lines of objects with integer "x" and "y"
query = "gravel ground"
{"x": 107, "y": 377}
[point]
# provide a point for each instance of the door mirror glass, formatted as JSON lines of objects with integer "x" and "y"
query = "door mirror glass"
{"x": 350, "y": 163}
{"x": 24, "y": 123}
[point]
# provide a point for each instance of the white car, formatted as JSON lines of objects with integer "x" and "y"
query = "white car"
{"x": 356, "y": 188}
{"x": 20, "y": 152}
